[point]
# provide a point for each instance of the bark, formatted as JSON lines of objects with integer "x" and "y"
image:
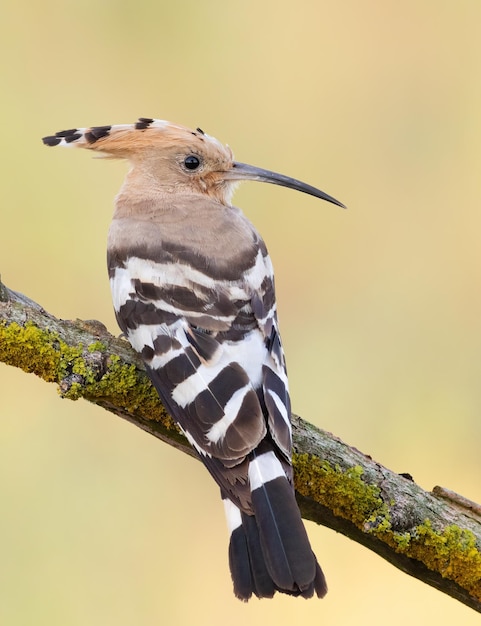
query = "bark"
{"x": 434, "y": 536}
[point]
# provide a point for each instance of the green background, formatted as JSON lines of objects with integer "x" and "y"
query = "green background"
{"x": 378, "y": 104}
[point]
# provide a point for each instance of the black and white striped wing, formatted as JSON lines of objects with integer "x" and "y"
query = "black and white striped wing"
{"x": 213, "y": 352}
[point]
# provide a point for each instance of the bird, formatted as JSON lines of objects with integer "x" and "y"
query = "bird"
{"x": 193, "y": 291}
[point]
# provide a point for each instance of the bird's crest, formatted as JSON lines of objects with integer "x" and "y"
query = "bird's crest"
{"x": 127, "y": 140}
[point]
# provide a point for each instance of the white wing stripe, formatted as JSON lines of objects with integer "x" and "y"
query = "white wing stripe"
{"x": 281, "y": 407}
{"x": 231, "y": 410}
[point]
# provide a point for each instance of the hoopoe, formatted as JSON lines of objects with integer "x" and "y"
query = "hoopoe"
{"x": 193, "y": 291}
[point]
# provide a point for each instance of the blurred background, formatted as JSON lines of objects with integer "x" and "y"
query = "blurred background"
{"x": 376, "y": 103}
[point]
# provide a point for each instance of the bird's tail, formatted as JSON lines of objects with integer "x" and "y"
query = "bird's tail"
{"x": 270, "y": 551}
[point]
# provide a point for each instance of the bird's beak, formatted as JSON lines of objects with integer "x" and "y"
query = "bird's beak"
{"x": 242, "y": 171}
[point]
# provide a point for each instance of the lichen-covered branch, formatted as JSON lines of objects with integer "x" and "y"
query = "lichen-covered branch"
{"x": 434, "y": 536}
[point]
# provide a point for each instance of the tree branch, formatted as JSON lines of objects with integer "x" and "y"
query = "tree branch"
{"x": 433, "y": 536}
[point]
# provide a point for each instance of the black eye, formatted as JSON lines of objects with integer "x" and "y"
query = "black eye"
{"x": 192, "y": 162}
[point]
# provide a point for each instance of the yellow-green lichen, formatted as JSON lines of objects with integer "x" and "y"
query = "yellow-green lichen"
{"x": 125, "y": 387}
{"x": 342, "y": 491}
{"x": 452, "y": 552}
{"x": 31, "y": 349}
{"x": 96, "y": 346}
{"x": 71, "y": 362}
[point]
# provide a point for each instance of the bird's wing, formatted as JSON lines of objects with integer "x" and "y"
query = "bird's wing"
{"x": 203, "y": 349}
{"x": 213, "y": 354}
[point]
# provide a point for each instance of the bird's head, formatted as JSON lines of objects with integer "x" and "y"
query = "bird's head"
{"x": 176, "y": 159}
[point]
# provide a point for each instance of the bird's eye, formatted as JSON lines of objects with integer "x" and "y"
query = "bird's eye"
{"x": 192, "y": 162}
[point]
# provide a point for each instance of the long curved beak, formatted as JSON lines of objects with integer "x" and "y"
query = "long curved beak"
{"x": 242, "y": 171}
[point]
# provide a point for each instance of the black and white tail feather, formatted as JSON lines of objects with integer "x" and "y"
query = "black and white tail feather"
{"x": 193, "y": 291}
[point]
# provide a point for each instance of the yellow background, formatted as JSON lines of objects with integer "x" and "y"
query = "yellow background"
{"x": 377, "y": 103}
